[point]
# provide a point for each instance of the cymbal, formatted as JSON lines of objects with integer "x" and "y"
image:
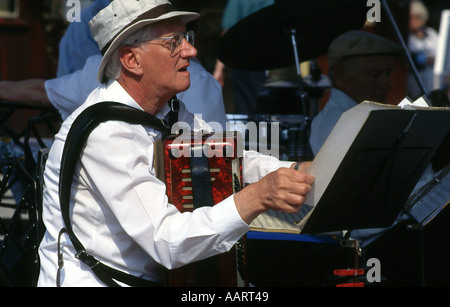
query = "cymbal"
{"x": 282, "y": 84}
{"x": 262, "y": 40}
{"x": 322, "y": 82}
{"x": 307, "y": 82}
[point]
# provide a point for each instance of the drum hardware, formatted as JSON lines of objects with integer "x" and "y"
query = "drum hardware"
{"x": 293, "y": 134}
{"x": 313, "y": 82}
{"x": 292, "y": 32}
{"x": 351, "y": 277}
{"x": 314, "y": 24}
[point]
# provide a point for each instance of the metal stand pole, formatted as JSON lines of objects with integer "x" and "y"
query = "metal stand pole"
{"x": 301, "y": 92}
{"x": 402, "y": 42}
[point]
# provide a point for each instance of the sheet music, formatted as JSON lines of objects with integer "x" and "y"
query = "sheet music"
{"x": 420, "y": 102}
{"x": 279, "y": 221}
{"x": 335, "y": 149}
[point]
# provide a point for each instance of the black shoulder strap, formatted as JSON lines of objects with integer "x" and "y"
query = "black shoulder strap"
{"x": 76, "y": 138}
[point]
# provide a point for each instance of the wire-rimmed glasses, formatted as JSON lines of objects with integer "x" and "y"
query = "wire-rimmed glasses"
{"x": 176, "y": 39}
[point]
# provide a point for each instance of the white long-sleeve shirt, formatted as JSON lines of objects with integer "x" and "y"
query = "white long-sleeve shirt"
{"x": 120, "y": 211}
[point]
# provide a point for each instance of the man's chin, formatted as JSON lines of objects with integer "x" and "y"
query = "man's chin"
{"x": 184, "y": 87}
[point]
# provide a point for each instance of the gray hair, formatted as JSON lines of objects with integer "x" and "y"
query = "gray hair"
{"x": 419, "y": 9}
{"x": 113, "y": 68}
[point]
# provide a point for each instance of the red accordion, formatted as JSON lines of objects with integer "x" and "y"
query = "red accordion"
{"x": 202, "y": 170}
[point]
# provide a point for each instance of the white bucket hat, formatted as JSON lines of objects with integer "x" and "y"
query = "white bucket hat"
{"x": 121, "y": 18}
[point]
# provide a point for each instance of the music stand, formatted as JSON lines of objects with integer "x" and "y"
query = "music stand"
{"x": 379, "y": 170}
{"x": 428, "y": 201}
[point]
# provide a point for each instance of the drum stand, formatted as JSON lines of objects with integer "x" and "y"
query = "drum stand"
{"x": 306, "y": 108}
{"x": 301, "y": 93}
{"x": 351, "y": 277}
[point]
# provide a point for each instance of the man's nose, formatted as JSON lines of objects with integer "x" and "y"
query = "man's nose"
{"x": 188, "y": 50}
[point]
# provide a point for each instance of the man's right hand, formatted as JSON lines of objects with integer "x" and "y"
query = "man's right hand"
{"x": 282, "y": 190}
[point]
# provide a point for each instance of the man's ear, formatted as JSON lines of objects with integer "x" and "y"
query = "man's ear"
{"x": 130, "y": 60}
{"x": 339, "y": 76}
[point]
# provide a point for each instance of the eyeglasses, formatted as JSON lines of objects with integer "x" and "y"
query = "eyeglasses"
{"x": 176, "y": 39}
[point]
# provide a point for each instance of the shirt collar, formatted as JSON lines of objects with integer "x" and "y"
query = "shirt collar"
{"x": 164, "y": 111}
{"x": 343, "y": 98}
{"x": 115, "y": 92}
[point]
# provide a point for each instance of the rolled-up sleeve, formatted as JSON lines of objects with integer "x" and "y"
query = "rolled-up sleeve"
{"x": 257, "y": 165}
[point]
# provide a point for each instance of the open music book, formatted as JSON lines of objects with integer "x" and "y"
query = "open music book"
{"x": 366, "y": 169}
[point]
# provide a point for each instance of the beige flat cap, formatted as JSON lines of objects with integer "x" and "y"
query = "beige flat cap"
{"x": 360, "y": 43}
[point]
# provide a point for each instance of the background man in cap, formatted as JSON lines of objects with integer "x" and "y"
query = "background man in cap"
{"x": 360, "y": 65}
{"x": 119, "y": 208}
